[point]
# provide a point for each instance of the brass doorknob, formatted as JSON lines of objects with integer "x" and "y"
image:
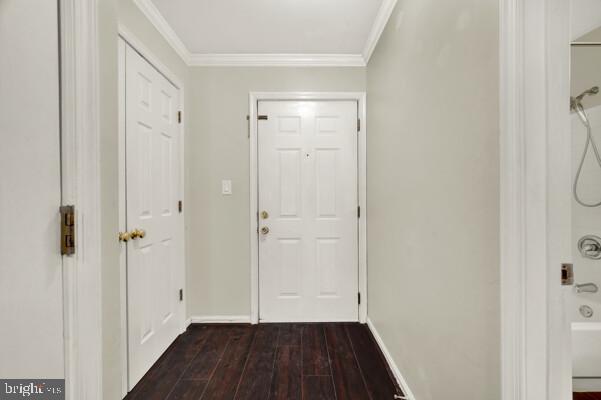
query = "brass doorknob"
{"x": 264, "y": 230}
{"x": 124, "y": 236}
{"x": 137, "y": 233}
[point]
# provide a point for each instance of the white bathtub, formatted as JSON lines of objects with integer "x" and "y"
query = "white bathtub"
{"x": 586, "y": 356}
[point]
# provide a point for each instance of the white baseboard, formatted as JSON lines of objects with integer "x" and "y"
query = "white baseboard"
{"x": 393, "y": 367}
{"x": 219, "y": 319}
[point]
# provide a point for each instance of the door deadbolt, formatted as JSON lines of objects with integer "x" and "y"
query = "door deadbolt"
{"x": 264, "y": 230}
{"x": 264, "y": 214}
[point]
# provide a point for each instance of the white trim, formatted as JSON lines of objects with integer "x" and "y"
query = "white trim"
{"x": 361, "y": 99}
{"x": 273, "y": 59}
{"x": 156, "y": 18}
{"x": 219, "y": 319}
{"x": 80, "y": 161}
{"x": 393, "y": 367}
{"x": 128, "y": 38}
{"x": 278, "y": 60}
{"x": 122, "y": 220}
{"x": 535, "y": 210}
{"x": 145, "y": 52}
{"x": 378, "y": 27}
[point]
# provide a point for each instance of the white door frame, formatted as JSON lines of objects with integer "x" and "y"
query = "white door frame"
{"x": 80, "y": 165}
{"x": 127, "y": 37}
{"x": 254, "y": 98}
{"x": 535, "y": 198}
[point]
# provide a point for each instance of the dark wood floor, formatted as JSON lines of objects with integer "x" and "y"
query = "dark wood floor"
{"x": 270, "y": 361}
{"x": 587, "y": 396}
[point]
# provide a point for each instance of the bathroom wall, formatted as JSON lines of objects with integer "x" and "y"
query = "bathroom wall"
{"x": 433, "y": 196}
{"x": 586, "y": 72}
{"x": 218, "y": 148}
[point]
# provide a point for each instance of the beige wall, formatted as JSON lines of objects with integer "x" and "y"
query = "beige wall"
{"x": 218, "y": 148}
{"x": 433, "y": 196}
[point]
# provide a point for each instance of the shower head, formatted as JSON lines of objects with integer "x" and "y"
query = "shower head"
{"x": 576, "y": 102}
{"x": 591, "y": 92}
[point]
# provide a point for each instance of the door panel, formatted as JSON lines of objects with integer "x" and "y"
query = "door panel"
{"x": 152, "y": 172}
{"x": 31, "y": 292}
{"x": 308, "y": 261}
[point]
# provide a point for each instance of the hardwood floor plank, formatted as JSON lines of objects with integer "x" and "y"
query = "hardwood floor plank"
{"x": 371, "y": 363}
{"x": 348, "y": 381}
{"x": 163, "y": 376}
{"x": 225, "y": 379}
{"x": 209, "y": 354}
{"x": 587, "y": 396}
{"x": 187, "y": 389}
{"x": 286, "y": 383}
{"x": 315, "y": 353}
{"x": 258, "y": 372}
{"x": 318, "y": 388}
{"x": 269, "y": 361}
{"x": 290, "y": 334}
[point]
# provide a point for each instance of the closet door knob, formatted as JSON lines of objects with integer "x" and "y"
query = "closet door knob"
{"x": 138, "y": 233}
{"x": 124, "y": 236}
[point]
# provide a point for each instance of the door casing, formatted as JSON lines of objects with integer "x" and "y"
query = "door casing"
{"x": 254, "y": 98}
{"x": 535, "y": 198}
{"x": 127, "y": 38}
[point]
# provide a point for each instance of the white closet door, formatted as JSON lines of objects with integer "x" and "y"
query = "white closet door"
{"x": 31, "y": 290}
{"x": 308, "y": 259}
{"x": 152, "y": 162}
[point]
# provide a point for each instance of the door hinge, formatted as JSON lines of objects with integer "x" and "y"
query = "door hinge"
{"x": 181, "y": 295}
{"x": 358, "y": 211}
{"x": 358, "y": 125}
{"x": 358, "y": 298}
{"x": 180, "y": 206}
{"x": 67, "y": 230}
{"x": 262, "y": 117}
{"x": 248, "y": 126}
{"x": 179, "y": 117}
{"x": 567, "y": 274}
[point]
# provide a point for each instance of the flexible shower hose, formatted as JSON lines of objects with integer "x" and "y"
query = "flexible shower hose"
{"x": 590, "y": 141}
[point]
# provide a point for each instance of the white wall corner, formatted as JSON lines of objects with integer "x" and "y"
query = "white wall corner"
{"x": 393, "y": 367}
{"x": 160, "y": 23}
{"x": 377, "y": 29}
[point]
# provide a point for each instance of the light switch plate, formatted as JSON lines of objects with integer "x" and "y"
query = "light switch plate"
{"x": 226, "y": 187}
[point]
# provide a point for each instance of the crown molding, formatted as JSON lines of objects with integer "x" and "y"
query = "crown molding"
{"x": 380, "y": 22}
{"x": 160, "y": 23}
{"x": 278, "y": 60}
{"x": 267, "y": 60}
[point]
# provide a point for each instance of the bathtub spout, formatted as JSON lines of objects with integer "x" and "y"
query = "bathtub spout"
{"x": 586, "y": 288}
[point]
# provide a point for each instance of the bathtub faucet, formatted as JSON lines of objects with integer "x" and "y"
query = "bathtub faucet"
{"x": 586, "y": 288}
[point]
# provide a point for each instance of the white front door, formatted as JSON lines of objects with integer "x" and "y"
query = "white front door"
{"x": 308, "y": 225}
{"x": 31, "y": 290}
{"x": 152, "y": 175}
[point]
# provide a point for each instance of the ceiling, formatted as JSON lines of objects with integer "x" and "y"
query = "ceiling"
{"x": 270, "y": 32}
